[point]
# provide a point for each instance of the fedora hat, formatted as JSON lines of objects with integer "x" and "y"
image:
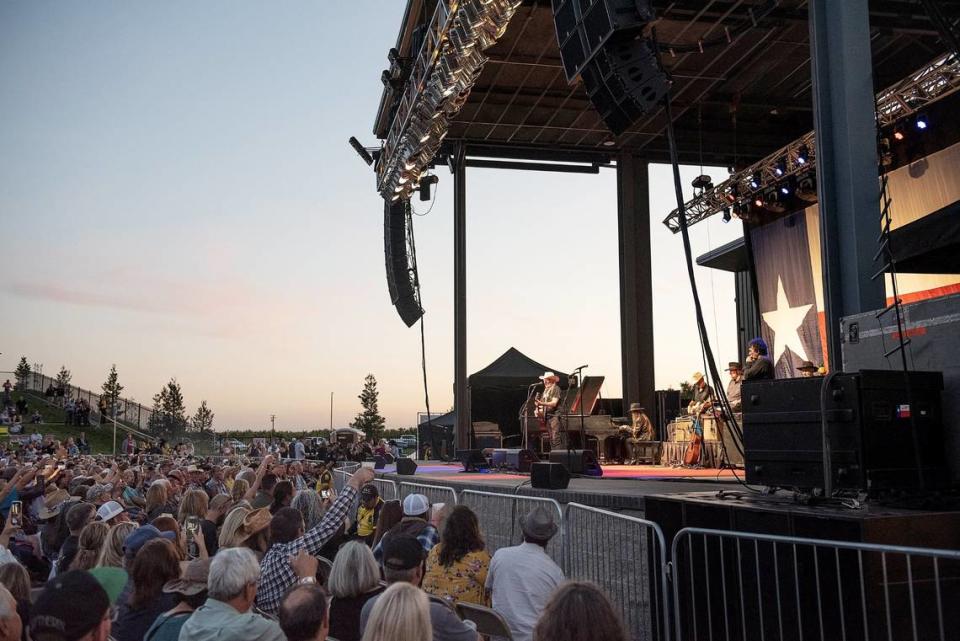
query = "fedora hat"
{"x": 549, "y": 376}
{"x": 538, "y": 524}
{"x": 696, "y": 378}
{"x": 193, "y": 578}
{"x": 637, "y": 407}
{"x": 807, "y": 366}
{"x": 734, "y": 365}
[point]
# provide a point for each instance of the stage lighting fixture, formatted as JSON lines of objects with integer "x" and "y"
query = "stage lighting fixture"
{"x": 425, "y": 184}
{"x": 781, "y": 167}
{"x": 703, "y": 182}
{"x": 803, "y": 155}
{"x": 756, "y": 180}
{"x": 898, "y": 134}
{"x": 726, "y": 214}
{"x": 922, "y": 122}
{"x": 363, "y": 153}
{"x": 758, "y": 201}
{"x": 785, "y": 189}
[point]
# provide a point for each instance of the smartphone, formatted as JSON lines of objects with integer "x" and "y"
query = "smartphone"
{"x": 325, "y": 494}
{"x": 16, "y": 513}
{"x": 192, "y": 527}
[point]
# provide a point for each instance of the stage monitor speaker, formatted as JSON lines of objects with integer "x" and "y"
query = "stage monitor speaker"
{"x": 406, "y": 466}
{"x": 577, "y": 461}
{"x": 515, "y": 460}
{"x": 472, "y": 460}
{"x": 379, "y": 462}
{"x": 549, "y": 476}
{"x": 401, "y": 266}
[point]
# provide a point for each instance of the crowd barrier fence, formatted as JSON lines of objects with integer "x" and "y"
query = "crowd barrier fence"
{"x": 737, "y": 585}
{"x": 627, "y": 557}
{"x": 434, "y": 493}
{"x": 500, "y": 516}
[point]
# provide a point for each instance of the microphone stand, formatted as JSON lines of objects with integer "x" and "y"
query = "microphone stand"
{"x": 579, "y": 373}
{"x": 525, "y": 414}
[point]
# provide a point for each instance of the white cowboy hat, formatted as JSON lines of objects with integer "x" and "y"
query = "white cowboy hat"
{"x": 697, "y": 376}
{"x": 549, "y": 375}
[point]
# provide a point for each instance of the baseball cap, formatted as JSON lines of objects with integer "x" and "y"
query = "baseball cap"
{"x": 109, "y": 510}
{"x": 415, "y": 505}
{"x": 70, "y": 606}
{"x": 369, "y": 491}
{"x": 112, "y": 580}
{"x": 402, "y": 552}
{"x": 139, "y": 537}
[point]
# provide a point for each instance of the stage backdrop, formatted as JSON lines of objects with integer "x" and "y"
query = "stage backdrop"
{"x": 789, "y": 272}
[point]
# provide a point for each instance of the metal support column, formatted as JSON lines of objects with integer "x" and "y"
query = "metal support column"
{"x": 461, "y": 398}
{"x": 636, "y": 288}
{"x": 847, "y": 184}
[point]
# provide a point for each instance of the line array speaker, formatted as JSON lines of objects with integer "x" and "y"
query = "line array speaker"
{"x": 603, "y": 43}
{"x": 401, "y": 267}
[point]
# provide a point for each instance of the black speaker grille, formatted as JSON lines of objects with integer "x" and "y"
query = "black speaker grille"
{"x": 401, "y": 268}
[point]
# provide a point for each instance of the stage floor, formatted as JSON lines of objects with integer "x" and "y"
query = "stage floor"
{"x": 621, "y": 487}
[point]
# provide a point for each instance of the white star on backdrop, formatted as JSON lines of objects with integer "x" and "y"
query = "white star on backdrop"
{"x": 785, "y": 322}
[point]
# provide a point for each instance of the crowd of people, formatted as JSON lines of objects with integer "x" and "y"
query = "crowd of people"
{"x": 160, "y": 548}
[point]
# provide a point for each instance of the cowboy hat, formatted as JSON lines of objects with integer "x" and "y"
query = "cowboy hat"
{"x": 548, "y": 376}
{"x": 538, "y": 524}
{"x": 696, "y": 378}
{"x": 254, "y": 522}
{"x": 807, "y": 366}
{"x": 734, "y": 365}
{"x": 636, "y": 407}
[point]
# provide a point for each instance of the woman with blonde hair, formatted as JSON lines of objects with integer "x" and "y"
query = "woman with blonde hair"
{"x": 158, "y": 495}
{"x": 355, "y": 578}
{"x": 239, "y": 489}
{"x": 401, "y": 613}
{"x": 111, "y": 554}
{"x": 92, "y": 538}
{"x": 194, "y": 503}
{"x": 231, "y": 532}
{"x": 579, "y": 611}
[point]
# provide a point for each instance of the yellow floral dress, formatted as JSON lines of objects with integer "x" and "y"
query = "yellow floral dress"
{"x": 461, "y": 581}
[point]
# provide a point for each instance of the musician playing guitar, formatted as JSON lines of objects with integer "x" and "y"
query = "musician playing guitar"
{"x": 547, "y": 403}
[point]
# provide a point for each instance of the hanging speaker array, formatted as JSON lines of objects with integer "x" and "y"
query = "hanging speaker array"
{"x": 401, "y": 261}
{"x": 603, "y": 42}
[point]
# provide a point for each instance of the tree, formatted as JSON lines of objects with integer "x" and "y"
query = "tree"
{"x": 157, "y": 422}
{"x": 174, "y": 409}
{"x": 369, "y": 419}
{"x": 63, "y": 379}
{"x": 111, "y": 389}
{"x": 202, "y": 421}
{"x": 22, "y": 373}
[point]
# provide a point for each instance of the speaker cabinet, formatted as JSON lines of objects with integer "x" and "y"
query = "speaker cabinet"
{"x": 514, "y": 460}
{"x": 472, "y": 460}
{"x": 577, "y": 461}
{"x": 549, "y": 476}
{"x": 406, "y": 466}
{"x": 379, "y": 462}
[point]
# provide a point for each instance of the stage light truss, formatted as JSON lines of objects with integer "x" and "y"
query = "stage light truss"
{"x": 444, "y": 71}
{"x": 933, "y": 82}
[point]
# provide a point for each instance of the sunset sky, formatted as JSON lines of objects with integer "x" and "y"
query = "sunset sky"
{"x": 178, "y": 197}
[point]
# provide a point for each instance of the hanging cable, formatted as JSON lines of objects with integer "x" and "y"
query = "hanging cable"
{"x": 423, "y": 339}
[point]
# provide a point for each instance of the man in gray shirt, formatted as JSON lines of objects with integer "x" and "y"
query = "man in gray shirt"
{"x": 403, "y": 559}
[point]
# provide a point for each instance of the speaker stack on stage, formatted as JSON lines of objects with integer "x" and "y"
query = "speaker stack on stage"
{"x": 885, "y": 431}
{"x": 401, "y": 268}
{"x": 406, "y": 466}
{"x": 549, "y": 476}
{"x": 513, "y": 460}
{"x": 603, "y": 43}
{"x": 582, "y": 462}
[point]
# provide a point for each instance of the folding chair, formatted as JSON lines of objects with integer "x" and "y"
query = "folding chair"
{"x": 489, "y": 622}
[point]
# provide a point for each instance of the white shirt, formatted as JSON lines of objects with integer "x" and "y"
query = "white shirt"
{"x": 521, "y": 579}
{"x": 298, "y": 450}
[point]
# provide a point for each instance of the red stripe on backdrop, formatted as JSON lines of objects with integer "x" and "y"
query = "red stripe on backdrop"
{"x": 927, "y": 294}
{"x": 822, "y": 328}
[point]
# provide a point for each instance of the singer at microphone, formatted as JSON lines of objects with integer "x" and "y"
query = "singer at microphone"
{"x": 547, "y": 404}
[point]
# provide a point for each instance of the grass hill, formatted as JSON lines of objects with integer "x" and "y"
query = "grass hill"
{"x": 99, "y": 438}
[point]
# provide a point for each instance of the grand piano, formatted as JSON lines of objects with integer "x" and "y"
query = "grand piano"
{"x": 589, "y": 431}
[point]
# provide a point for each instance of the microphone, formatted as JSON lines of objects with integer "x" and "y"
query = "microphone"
{"x": 581, "y": 367}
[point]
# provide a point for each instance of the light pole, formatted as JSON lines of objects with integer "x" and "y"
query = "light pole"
{"x": 331, "y": 411}
{"x": 273, "y": 429}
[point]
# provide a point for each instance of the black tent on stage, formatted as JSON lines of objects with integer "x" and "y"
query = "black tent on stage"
{"x": 438, "y": 434}
{"x": 498, "y": 391}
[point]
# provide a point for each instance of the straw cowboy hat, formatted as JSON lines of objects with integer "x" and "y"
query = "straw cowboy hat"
{"x": 255, "y": 522}
{"x": 696, "y": 378}
{"x": 549, "y": 376}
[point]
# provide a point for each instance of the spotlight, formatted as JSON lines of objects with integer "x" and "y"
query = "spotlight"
{"x": 781, "y": 167}
{"x": 803, "y": 155}
{"x": 363, "y": 153}
{"x": 703, "y": 182}
{"x": 425, "y": 184}
{"x": 726, "y": 214}
{"x": 758, "y": 201}
{"x": 785, "y": 189}
{"x": 898, "y": 134}
{"x": 921, "y": 122}
{"x": 756, "y": 180}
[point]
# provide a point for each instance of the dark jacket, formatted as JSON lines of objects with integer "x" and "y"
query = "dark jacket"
{"x": 760, "y": 369}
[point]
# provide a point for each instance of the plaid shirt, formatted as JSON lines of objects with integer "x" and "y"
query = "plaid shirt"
{"x": 276, "y": 574}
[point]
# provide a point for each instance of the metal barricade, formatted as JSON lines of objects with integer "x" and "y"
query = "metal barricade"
{"x": 434, "y": 493}
{"x": 627, "y": 558}
{"x": 736, "y": 585}
{"x": 340, "y": 477}
{"x": 387, "y": 488}
{"x": 499, "y": 516}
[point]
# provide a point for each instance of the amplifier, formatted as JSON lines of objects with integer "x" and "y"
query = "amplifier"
{"x": 513, "y": 460}
{"x": 871, "y": 417}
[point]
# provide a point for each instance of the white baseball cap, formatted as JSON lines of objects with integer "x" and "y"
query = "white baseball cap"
{"x": 109, "y": 510}
{"x": 415, "y": 505}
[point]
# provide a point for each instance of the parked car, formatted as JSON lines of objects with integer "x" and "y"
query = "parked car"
{"x": 407, "y": 442}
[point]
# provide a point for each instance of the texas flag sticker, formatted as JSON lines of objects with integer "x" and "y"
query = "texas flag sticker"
{"x": 903, "y": 411}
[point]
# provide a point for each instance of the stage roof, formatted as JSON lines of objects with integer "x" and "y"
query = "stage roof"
{"x": 737, "y": 101}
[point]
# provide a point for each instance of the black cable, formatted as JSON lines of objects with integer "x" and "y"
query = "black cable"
{"x": 688, "y": 256}
{"x": 423, "y": 339}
